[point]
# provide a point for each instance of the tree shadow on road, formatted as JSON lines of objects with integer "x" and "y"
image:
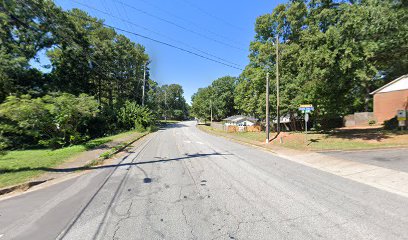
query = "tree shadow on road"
{"x": 67, "y": 170}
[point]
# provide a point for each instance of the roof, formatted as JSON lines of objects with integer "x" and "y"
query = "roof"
{"x": 237, "y": 118}
{"x": 400, "y": 83}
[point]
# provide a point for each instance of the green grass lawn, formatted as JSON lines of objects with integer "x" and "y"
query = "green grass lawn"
{"x": 345, "y": 141}
{"x": 337, "y": 140}
{"x": 168, "y": 121}
{"x": 21, "y": 165}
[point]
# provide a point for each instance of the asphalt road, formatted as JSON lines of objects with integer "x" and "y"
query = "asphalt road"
{"x": 396, "y": 159}
{"x": 181, "y": 183}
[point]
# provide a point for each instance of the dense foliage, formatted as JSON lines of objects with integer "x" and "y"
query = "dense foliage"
{"x": 332, "y": 54}
{"x": 132, "y": 115}
{"x": 219, "y": 97}
{"x": 167, "y": 102}
{"x": 93, "y": 85}
{"x": 51, "y": 121}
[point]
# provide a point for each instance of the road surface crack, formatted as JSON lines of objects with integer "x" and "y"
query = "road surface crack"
{"x": 127, "y": 216}
{"x": 187, "y": 223}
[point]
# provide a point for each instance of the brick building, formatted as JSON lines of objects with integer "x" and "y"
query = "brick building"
{"x": 390, "y": 98}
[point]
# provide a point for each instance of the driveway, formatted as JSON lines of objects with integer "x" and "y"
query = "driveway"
{"x": 396, "y": 159}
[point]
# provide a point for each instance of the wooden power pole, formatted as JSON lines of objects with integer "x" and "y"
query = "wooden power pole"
{"x": 267, "y": 108}
{"x": 144, "y": 84}
{"x": 277, "y": 86}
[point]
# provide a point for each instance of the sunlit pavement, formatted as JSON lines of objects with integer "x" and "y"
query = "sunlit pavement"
{"x": 396, "y": 159}
{"x": 181, "y": 183}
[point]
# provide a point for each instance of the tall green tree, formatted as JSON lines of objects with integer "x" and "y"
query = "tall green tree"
{"x": 201, "y": 104}
{"x": 223, "y": 97}
{"x": 25, "y": 28}
{"x": 332, "y": 55}
{"x": 168, "y": 101}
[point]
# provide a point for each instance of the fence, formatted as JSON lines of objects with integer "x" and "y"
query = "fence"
{"x": 221, "y": 126}
{"x": 359, "y": 119}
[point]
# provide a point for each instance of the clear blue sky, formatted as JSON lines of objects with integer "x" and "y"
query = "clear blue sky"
{"x": 228, "y": 21}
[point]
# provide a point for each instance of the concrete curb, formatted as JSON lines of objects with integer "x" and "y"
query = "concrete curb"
{"x": 27, "y": 185}
{"x": 126, "y": 144}
{"x": 21, "y": 187}
{"x": 364, "y": 150}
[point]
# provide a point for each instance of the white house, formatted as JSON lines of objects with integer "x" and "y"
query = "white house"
{"x": 239, "y": 120}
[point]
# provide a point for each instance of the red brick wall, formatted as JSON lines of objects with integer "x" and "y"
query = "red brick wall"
{"x": 387, "y": 104}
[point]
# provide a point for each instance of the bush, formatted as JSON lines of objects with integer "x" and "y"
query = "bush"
{"x": 391, "y": 124}
{"x": 372, "y": 122}
{"x": 178, "y": 114}
{"x": 51, "y": 121}
{"x": 72, "y": 116}
{"x": 134, "y": 116}
{"x": 327, "y": 123}
{"x": 25, "y": 121}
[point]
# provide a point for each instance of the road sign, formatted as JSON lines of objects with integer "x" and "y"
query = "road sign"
{"x": 306, "y": 117}
{"x": 306, "y": 108}
{"x": 402, "y": 115}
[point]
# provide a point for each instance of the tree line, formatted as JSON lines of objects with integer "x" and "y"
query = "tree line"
{"x": 332, "y": 54}
{"x": 92, "y": 87}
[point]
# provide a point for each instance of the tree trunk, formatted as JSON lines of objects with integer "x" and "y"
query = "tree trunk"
{"x": 367, "y": 98}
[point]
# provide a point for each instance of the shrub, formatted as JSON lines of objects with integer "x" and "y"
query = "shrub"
{"x": 134, "y": 116}
{"x": 372, "y": 122}
{"x": 178, "y": 114}
{"x": 327, "y": 123}
{"x": 51, "y": 121}
{"x": 391, "y": 124}
{"x": 72, "y": 116}
{"x": 25, "y": 121}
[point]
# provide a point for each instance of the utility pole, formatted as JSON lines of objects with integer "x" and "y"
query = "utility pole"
{"x": 277, "y": 86}
{"x": 165, "y": 104}
{"x": 144, "y": 84}
{"x": 211, "y": 110}
{"x": 267, "y": 108}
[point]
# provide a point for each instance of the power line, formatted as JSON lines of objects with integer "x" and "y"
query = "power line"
{"x": 160, "y": 34}
{"x": 211, "y": 15}
{"x": 179, "y": 26}
{"x": 189, "y": 21}
{"x": 157, "y": 41}
{"x": 85, "y": 54}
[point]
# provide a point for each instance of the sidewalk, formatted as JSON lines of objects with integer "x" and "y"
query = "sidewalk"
{"x": 393, "y": 181}
{"x": 77, "y": 162}
{"x": 87, "y": 157}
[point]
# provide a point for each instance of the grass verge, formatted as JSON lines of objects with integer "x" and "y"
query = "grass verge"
{"x": 168, "y": 121}
{"x": 108, "y": 154}
{"x": 336, "y": 140}
{"x": 22, "y": 165}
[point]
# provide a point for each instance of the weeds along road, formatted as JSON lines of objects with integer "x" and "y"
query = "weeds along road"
{"x": 181, "y": 183}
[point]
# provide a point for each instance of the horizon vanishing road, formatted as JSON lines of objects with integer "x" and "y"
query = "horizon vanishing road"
{"x": 182, "y": 183}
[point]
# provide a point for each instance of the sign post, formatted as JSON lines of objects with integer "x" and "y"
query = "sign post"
{"x": 402, "y": 118}
{"x": 306, "y": 109}
{"x": 306, "y": 120}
